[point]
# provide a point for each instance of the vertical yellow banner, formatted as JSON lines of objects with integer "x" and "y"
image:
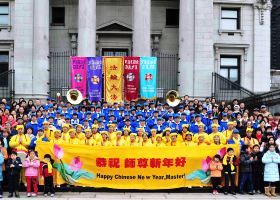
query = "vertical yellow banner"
{"x": 113, "y": 70}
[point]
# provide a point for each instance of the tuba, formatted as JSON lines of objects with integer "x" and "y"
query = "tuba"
{"x": 74, "y": 96}
{"x": 172, "y": 98}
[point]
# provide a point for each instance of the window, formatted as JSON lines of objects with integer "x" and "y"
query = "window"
{"x": 4, "y": 68}
{"x": 230, "y": 68}
{"x": 58, "y": 16}
{"x": 114, "y": 52}
{"x": 4, "y": 14}
{"x": 172, "y": 17}
{"x": 230, "y": 19}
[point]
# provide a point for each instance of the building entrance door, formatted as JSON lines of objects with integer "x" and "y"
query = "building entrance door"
{"x": 114, "y": 52}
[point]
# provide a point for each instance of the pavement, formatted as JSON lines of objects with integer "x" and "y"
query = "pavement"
{"x": 141, "y": 196}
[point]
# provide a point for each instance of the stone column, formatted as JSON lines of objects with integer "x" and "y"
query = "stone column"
{"x": 186, "y": 47}
{"x": 142, "y": 28}
{"x": 41, "y": 49}
{"x": 87, "y": 28}
{"x": 23, "y": 36}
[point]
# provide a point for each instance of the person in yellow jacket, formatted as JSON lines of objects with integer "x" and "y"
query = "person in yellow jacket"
{"x": 119, "y": 141}
{"x": 201, "y": 133}
{"x": 133, "y": 140}
{"x": 249, "y": 140}
{"x": 140, "y": 132}
{"x": 215, "y": 132}
{"x": 111, "y": 132}
{"x": 159, "y": 142}
{"x": 174, "y": 141}
{"x": 72, "y": 137}
{"x": 95, "y": 135}
{"x": 126, "y": 137}
{"x": 79, "y": 132}
{"x": 181, "y": 137}
{"x": 146, "y": 141}
{"x": 189, "y": 140}
{"x": 57, "y": 138}
{"x": 20, "y": 142}
{"x": 166, "y": 136}
{"x": 153, "y": 135}
{"x": 47, "y": 131}
{"x": 88, "y": 140}
{"x": 105, "y": 139}
{"x": 201, "y": 141}
{"x": 65, "y": 129}
{"x": 216, "y": 141}
{"x": 228, "y": 133}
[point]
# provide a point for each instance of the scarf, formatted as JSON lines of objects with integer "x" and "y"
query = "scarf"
{"x": 230, "y": 160}
{"x": 236, "y": 141}
{"x": 49, "y": 166}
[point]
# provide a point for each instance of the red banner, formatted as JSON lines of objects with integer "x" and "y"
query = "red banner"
{"x": 131, "y": 81}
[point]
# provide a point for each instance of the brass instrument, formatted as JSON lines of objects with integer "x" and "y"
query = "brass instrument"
{"x": 172, "y": 98}
{"x": 74, "y": 96}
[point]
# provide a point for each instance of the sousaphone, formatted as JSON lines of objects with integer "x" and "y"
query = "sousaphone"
{"x": 74, "y": 96}
{"x": 172, "y": 98}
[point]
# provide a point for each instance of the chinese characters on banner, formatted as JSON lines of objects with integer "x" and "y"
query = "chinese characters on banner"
{"x": 131, "y": 78}
{"x": 78, "y": 74}
{"x": 95, "y": 78}
{"x": 146, "y": 168}
{"x": 148, "y": 77}
{"x": 113, "y": 73}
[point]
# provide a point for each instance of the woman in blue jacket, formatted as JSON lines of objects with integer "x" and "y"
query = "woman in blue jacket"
{"x": 271, "y": 159}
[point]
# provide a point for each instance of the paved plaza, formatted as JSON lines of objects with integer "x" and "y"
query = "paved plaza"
{"x": 140, "y": 196}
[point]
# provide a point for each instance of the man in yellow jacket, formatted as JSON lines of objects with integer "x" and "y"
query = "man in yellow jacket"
{"x": 20, "y": 142}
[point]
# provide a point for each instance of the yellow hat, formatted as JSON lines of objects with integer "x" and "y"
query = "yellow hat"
{"x": 87, "y": 130}
{"x": 173, "y": 134}
{"x": 185, "y": 126}
{"x": 153, "y": 130}
{"x": 72, "y": 130}
{"x": 215, "y": 125}
{"x": 118, "y": 132}
{"x": 133, "y": 134}
{"x": 65, "y": 126}
{"x": 189, "y": 133}
{"x": 94, "y": 126}
{"x": 249, "y": 130}
{"x": 201, "y": 135}
{"x": 167, "y": 129}
{"x": 230, "y": 123}
{"x": 104, "y": 132}
{"x": 46, "y": 122}
{"x": 19, "y": 127}
{"x": 109, "y": 125}
{"x": 79, "y": 125}
{"x": 126, "y": 129}
{"x": 57, "y": 131}
{"x": 159, "y": 135}
{"x": 140, "y": 129}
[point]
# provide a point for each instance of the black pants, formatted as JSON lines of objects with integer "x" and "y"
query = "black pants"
{"x": 216, "y": 181}
{"x": 48, "y": 187}
{"x": 269, "y": 184}
{"x": 1, "y": 188}
{"x": 246, "y": 178}
{"x": 257, "y": 181}
{"x": 229, "y": 178}
{"x": 13, "y": 183}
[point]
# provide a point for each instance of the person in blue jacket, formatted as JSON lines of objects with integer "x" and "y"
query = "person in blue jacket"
{"x": 159, "y": 126}
{"x": 33, "y": 124}
{"x": 1, "y": 174}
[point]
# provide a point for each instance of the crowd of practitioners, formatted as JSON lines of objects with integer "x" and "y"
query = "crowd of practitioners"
{"x": 191, "y": 123}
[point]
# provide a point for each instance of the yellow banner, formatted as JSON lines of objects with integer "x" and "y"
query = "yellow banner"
{"x": 144, "y": 168}
{"x": 113, "y": 67}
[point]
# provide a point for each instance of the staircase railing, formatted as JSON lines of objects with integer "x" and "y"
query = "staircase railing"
{"x": 225, "y": 90}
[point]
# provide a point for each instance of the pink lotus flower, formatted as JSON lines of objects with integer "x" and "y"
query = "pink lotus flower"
{"x": 222, "y": 152}
{"x": 205, "y": 165}
{"x": 76, "y": 164}
{"x": 208, "y": 160}
{"x": 58, "y": 151}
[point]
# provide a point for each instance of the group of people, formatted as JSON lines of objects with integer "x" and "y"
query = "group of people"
{"x": 191, "y": 123}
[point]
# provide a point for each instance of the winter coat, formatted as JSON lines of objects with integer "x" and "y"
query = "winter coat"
{"x": 245, "y": 163}
{"x": 14, "y": 171}
{"x": 216, "y": 169}
{"x": 271, "y": 171}
{"x": 227, "y": 167}
{"x": 31, "y": 167}
{"x": 257, "y": 165}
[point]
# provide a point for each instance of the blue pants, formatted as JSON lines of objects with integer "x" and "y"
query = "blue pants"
{"x": 246, "y": 177}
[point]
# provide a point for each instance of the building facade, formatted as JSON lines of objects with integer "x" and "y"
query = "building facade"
{"x": 228, "y": 37}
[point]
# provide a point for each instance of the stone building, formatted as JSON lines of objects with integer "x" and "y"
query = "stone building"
{"x": 227, "y": 37}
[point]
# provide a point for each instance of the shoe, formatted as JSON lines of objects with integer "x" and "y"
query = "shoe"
{"x": 267, "y": 191}
{"x": 233, "y": 193}
{"x": 28, "y": 195}
{"x": 217, "y": 192}
{"x": 258, "y": 192}
{"x": 241, "y": 192}
{"x": 214, "y": 192}
{"x": 10, "y": 195}
{"x": 45, "y": 195}
{"x": 225, "y": 193}
{"x": 34, "y": 195}
{"x": 17, "y": 194}
{"x": 273, "y": 191}
{"x": 1, "y": 196}
{"x": 52, "y": 195}
{"x": 251, "y": 193}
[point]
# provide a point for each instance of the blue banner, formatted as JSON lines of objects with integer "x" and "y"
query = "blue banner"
{"x": 94, "y": 78}
{"x": 148, "y": 77}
